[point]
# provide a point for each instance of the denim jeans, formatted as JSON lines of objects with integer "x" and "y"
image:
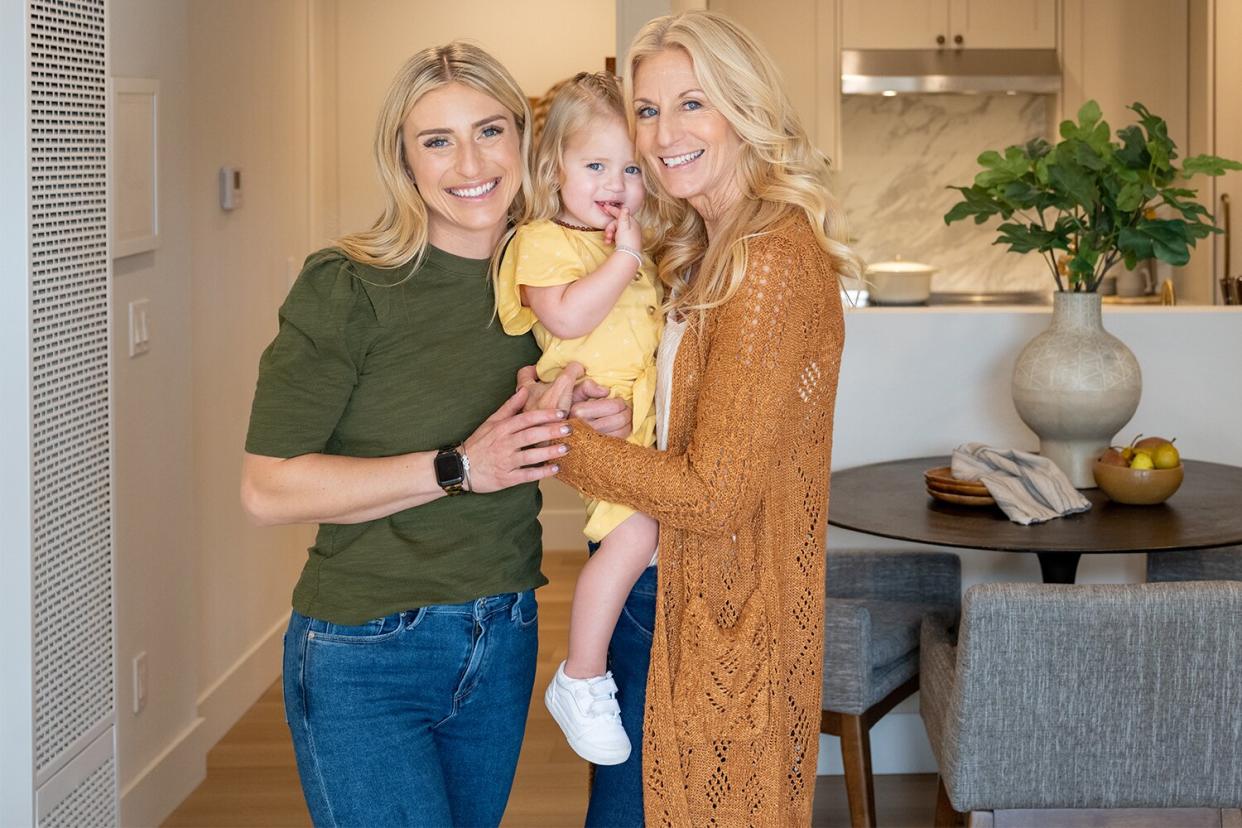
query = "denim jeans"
{"x": 617, "y": 790}
{"x": 415, "y": 718}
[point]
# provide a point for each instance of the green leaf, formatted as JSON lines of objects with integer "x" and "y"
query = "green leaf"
{"x": 1208, "y": 165}
{"x": 1166, "y": 239}
{"x": 1159, "y": 154}
{"x": 1098, "y": 140}
{"x": 1076, "y": 182}
{"x": 1130, "y": 197}
{"x": 1087, "y": 156}
{"x": 1089, "y": 114}
{"x": 1037, "y": 148}
{"x": 1133, "y": 152}
{"x": 975, "y": 202}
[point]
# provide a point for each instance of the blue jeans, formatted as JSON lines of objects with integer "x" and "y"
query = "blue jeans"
{"x": 617, "y": 792}
{"x": 415, "y": 718}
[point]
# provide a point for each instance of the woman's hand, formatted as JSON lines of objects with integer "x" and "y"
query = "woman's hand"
{"x": 588, "y": 402}
{"x": 512, "y": 445}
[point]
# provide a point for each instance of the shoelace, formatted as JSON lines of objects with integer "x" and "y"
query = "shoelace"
{"x": 603, "y": 697}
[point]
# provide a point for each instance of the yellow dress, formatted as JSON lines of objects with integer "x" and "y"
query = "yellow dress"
{"x": 619, "y": 354}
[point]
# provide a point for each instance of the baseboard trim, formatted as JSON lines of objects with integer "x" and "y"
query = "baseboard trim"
{"x": 167, "y": 780}
{"x": 230, "y": 696}
{"x": 174, "y": 774}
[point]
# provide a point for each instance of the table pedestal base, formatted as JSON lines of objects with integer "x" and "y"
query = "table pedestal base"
{"x": 1059, "y": 567}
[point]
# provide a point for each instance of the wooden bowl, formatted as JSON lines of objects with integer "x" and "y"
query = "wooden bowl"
{"x": 942, "y": 479}
{"x": 1137, "y": 487}
{"x": 961, "y": 499}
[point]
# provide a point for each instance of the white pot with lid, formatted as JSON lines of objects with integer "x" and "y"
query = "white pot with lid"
{"x": 899, "y": 282}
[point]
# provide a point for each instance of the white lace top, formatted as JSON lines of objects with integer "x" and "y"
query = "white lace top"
{"x": 665, "y": 357}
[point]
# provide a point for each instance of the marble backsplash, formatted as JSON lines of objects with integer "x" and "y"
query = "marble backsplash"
{"x": 900, "y": 154}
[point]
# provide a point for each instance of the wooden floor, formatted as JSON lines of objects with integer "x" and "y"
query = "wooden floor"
{"x": 252, "y": 779}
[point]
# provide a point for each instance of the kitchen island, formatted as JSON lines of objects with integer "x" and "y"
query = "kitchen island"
{"x": 917, "y": 381}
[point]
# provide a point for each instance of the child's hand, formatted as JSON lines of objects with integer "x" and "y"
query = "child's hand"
{"x": 623, "y": 230}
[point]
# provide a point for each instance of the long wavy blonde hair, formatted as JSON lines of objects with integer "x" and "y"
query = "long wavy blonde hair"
{"x": 780, "y": 171}
{"x": 399, "y": 235}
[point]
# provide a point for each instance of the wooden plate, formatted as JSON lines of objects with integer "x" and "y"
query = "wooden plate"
{"x": 941, "y": 479}
{"x": 961, "y": 499}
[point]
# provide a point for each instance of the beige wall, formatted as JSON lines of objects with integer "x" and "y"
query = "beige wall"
{"x": 156, "y": 599}
{"x": 251, "y": 112}
{"x": 199, "y": 589}
{"x": 540, "y": 41}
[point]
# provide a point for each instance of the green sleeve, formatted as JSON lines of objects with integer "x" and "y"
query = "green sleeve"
{"x": 308, "y": 373}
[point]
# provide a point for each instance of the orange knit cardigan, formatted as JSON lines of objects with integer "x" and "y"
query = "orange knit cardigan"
{"x": 733, "y": 695}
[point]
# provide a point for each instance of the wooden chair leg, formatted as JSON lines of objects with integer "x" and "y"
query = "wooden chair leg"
{"x": 856, "y": 757}
{"x": 946, "y": 816}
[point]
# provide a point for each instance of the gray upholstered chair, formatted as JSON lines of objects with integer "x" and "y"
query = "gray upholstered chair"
{"x": 1224, "y": 564}
{"x": 1122, "y": 696}
{"x": 873, "y": 611}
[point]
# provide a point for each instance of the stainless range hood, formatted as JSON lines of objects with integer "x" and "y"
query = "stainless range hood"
{"x": 879, "y": 71}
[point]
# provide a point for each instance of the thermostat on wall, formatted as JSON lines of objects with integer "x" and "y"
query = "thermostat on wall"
{"x": 230, "y": 188}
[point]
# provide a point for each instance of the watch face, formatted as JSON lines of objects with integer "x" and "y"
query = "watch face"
{"x": 448, "y": 469}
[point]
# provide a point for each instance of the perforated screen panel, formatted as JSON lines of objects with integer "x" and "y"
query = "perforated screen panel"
{"x": 72, "y": 497}
{"x": 92, "y": 804}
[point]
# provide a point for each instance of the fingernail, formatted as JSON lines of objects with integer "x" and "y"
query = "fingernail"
{"x": 565, "y": 429}
{"x": 560, "y": 415}
{"x": 563, "y": 449}
{"x": 556, "y": 469}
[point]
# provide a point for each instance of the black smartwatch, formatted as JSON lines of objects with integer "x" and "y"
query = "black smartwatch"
{"x": 450, "y": 470}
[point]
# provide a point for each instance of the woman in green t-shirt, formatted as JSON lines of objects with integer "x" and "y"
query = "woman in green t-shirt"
{"x": 385, "y": 412}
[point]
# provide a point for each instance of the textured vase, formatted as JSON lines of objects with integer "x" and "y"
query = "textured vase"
{"x": 1076, "y": 385}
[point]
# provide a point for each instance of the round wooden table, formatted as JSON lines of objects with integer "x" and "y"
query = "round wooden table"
{"x": 890, "y": 500}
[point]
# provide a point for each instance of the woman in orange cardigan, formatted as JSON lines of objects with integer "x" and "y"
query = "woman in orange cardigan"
{"x": 749, "y": 245}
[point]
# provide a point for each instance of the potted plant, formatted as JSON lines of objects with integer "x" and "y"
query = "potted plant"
{"x": 1095, "y": 203}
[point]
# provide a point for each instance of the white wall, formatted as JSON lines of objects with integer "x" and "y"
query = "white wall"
{"x": 203, "y": 593}
{"x": 156, "y": 601}
{"x": 251, "y": 111}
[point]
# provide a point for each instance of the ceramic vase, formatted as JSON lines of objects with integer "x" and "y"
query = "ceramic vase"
{"x": 1076, "y": 385}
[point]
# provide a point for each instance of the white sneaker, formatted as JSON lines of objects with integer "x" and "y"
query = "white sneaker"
{"x": 587, "y": 711}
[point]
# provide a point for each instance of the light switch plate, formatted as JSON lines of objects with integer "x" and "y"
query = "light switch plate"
{"x": 139, "y": 329}
{"x": 140, "y": 682}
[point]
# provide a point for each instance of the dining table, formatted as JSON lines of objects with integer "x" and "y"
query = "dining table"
{"x": 890, "y": 500}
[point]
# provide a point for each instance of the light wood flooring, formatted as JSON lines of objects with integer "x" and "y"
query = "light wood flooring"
{"x": 252, "y": 779}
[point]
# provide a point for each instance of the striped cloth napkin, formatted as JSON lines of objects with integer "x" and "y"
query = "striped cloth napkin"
{"x": 1028, "y": 488}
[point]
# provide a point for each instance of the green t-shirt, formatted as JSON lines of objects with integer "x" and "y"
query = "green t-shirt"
{"x": 368, "y": 365}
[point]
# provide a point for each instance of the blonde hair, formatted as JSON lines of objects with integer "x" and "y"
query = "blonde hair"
{"x": 584, "y": 98}
{"x": 399, "y": 235}
{"x": 780, "y": 171}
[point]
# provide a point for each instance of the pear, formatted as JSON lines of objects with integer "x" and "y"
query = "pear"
{"x": 1142, "y": 460}
{"x": 1166, "y": 457}
{"x": 1152, "y": 443}
{"x": 1113, "y": 457}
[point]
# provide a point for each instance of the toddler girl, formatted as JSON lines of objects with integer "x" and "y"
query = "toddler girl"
{"x": 576, "y": 275}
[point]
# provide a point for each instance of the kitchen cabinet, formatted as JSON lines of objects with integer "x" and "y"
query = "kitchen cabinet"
{"x": 964, "y": 24}
{"x": 1228, "y": 144}
{"x": 801, "y": 36}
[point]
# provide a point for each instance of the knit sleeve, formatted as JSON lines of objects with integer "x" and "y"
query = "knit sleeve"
{"x": 751, "y": 381}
